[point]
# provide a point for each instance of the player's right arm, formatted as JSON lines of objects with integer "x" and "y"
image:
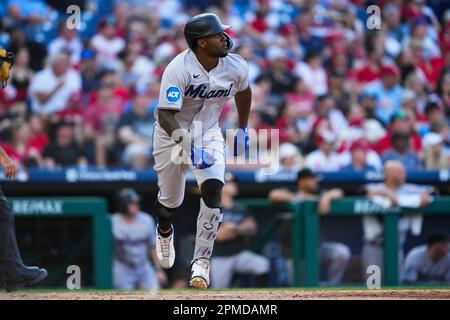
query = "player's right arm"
{"x": 326, "y": 198}
{"x": 173, "y": 129}
{"x": 7, "y": 164}
{"x": 173, "y": 83}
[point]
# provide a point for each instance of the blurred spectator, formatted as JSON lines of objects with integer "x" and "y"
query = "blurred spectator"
{"x": 392, "y": 23}
{"x": 388, "y": 93}
{"x": 280, "y": 76}
{"x": 434, "y": 152}
{"x": 402, "y": 152}
{"x": 399, "y": 124}
{"x": 313, "y": 73}
{"x": 299, "y": 112}
{"x": 245, "y": 50}
{"x": 443, "y": 129}
{"x": 310, "y": 42}
{"x": 134, "y": 64}
{"x": 429, "y": 264}
{"x": 22, "y": 76}
{"x": 89, "y": 73}
{"x": 429, "y": 66}
{"x": 418, "y": 34}
{"x": 107, "y": 44}
{"x": 369, "y": 71}
{"x": 100, "y": 119}
{"x": 18, "y": 39}
{"x": 33, "y": 12}
{"x": 56, "y": 87}
{"x": 135, "y": 132}
{"x": 231, "y": 252}
{"x": 20, "y": 150}
{"x": 38, "y": 136}
{"x": 64, "y": 151}
{"x": 67, "y": 41}
{"x": 361, "y": 158}
{"x": 334, "y": 256}
{"x": 338, "y": 90}
{"x": 368, "y": 101}
{"x": 291, "y": 159}
{"x": 325, "y": 158}
{"x": 326, "y": 109}
{"x": 393, "y": 192}
{"x": 416, "y": 83}
{"x": 443, "y": 91}
{"x": 134, "y": 242}
{"x": 409, "y": 107}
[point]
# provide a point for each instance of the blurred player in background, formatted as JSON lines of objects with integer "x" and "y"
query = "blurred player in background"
{"x": 334, "y": 256}
{"x": 134, "y": 242}
{"x": 194, "y": 87}
{"x": 231, "y": 253}
{"x": 430, "y": 263}
{"x": 13, "y": 273}
{"x": 393, "y": 192}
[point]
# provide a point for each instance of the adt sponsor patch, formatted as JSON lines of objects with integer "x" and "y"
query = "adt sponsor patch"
{"x": 173, "y": 94}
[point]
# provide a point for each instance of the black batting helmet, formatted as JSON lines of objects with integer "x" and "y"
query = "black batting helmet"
{"x": 125, "y": 197}
{"x": 205, "y": 24}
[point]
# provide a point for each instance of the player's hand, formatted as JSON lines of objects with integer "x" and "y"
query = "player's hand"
{"x": 201, "y": 159}
{"x": 9, "y": 168}
{"x": 425, "y": 199}
{"x": 241, "y": 141}
{"x": 393, "y": 199}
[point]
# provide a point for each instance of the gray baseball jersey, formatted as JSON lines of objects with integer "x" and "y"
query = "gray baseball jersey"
{"x": 419, "y": 268}
{"x": 132, "y": 241}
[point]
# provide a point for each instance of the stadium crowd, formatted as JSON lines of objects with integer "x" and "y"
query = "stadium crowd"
{"x": 343, "y": 96}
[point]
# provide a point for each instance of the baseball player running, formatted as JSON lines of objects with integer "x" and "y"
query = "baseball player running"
{"x": 194, "y": 87}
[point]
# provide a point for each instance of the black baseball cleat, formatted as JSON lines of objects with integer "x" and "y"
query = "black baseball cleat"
{"x": 30, "y": 276}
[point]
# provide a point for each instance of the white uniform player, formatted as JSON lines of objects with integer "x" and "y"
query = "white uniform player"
{"x": 134, "y": 241}
{"x": 194, "y": 87}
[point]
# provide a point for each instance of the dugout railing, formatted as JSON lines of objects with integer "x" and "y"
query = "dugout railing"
{"x": 93, "y": 208}
{"x": 306, "y": 232}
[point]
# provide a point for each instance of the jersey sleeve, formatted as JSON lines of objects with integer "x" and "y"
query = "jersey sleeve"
{"x": 243, "y": 81}
{"x": 410, "y": 273}
{"x": 172, "y": 88}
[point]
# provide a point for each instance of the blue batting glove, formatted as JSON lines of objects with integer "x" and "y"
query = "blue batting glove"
{"x": 201, "y": 159}
{"x": 241, "y": 141}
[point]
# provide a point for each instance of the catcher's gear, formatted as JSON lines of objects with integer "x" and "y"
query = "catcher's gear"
{"x": 6, "y": 62}
{"x": 205, "y": 24}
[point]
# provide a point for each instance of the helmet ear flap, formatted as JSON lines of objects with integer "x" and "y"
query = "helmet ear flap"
{"x": 229, "y": 41}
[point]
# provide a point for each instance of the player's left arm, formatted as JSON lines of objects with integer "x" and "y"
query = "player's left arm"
{"x": 243, "y": 101}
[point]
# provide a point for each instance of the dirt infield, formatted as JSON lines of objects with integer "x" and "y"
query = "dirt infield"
{"x": 228, "y": 295}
